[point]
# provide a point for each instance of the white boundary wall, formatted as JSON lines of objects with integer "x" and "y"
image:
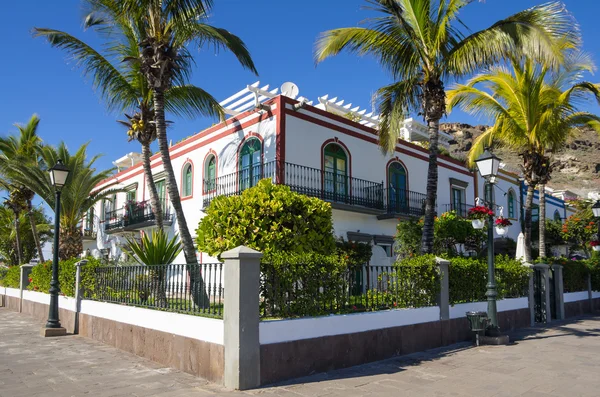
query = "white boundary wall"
{"x": 460, "y": 310}
{"x": 576, "y": 296}
{"x": 595, "y": 294}
{"x": 194, "y": 327}
{"x": 277, "y": 331}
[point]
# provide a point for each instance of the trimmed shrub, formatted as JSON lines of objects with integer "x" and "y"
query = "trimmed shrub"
{"x": 512, "y": 277}
{"x": 269, "y": 218}
{"x": 296, "y": 285}
{"x": 415, "y": 282}
{"x": 575, "y": 274}
{"x": 11, "y": 277}
{"x": 468, "y": 279}
{"x": 42, "y": 274}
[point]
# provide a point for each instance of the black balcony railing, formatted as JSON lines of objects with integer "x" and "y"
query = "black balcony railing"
{"x": 325, "y": 185}
{"x": 89, "y": 234}
{"x": 461, "y": 209}
{"x": 132, "y": 214}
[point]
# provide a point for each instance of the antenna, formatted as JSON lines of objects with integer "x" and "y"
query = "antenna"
{"x": 290, "y": 90}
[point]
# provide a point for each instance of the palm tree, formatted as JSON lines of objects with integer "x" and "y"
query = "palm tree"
{"x": 77, "y": 196}
{"x": 122, "y": 85}
{"x": 422, "y": 44}
{"x": 167, "y": 28}
{"x": 24, "y": 148}
{"x": 535, "y": 112}
{"x": 15, "y": 202}
{"x": 10, "y": 231}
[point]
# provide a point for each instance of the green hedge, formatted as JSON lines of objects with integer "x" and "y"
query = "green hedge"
{"x": 297, "y": 285}
{"x": 42, "y": 274}
{"x": 575, "y": 273}
{"x": 10, "y": 277}
{"x": 414, "y": 282}
{"x": 468, "y": 279}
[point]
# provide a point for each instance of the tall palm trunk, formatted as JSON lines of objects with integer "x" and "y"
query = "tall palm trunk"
{"x": 34, "y": 231}
{"x": 528, "y": 207}
{"x": 197, "y": 285}
{"x": 18, "y": 237}
{"x": 157, "y": 209}
{"x": 432, "y": 182}
{"x": 71, "y": 243}
{"x": 434, "y": 107}
{"x": 542, "y": 220}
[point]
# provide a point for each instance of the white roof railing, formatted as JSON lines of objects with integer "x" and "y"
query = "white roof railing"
{"x": 254, "y": 95}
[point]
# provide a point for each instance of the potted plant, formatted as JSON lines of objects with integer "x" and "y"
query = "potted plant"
{"x": 502, "y": 225}
{"x": 595, "y": 244}
{"x": 478, "y": 215}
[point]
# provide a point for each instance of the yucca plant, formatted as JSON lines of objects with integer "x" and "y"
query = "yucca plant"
{"x": 157, "y": 250}
{"x": 154, "y": 251}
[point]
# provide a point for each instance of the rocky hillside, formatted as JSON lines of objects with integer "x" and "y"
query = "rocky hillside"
{"x": 578, "y": 166}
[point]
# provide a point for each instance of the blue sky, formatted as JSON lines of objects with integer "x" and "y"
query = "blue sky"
{"x": 280, "y": 35}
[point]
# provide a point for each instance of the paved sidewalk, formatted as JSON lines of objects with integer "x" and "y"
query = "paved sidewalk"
{"x": 562, "y": 361}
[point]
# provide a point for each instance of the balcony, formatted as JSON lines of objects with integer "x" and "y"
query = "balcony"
{"x": 461, "y": 209}
{"x": 133, "y": 216}
{"x": 89, "y": 234}
{"x": 346, "y": 193}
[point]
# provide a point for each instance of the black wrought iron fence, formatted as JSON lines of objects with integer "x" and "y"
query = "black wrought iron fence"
{"x": 192, "y": 289}
{"x": 356, "y": 289}
{"x": 335, "y": 187}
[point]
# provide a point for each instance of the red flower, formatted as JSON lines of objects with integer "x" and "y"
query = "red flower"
{"x": 503, "y": 222}
{"x": 30, "y": 279}
{"x": 353, "y": 307}
{"x": 594, "y": 243}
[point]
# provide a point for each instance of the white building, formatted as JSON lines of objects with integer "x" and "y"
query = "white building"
{"x": 329, "y": 150}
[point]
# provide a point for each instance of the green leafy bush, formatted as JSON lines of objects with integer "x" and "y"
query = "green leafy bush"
{"x": 268, "y": 218}
{"x": 575, "y": 273}
{"x": 449, "y": 229}
{"x": 302, "y": 284}
{"x": 414, "y": 282}
{"x": 42, "y": 274}
{"x": 468, "y": 279}
{"x": 11, "y": 277}
{"x": 512, "y": 277}
{"x": 353, "y": 252}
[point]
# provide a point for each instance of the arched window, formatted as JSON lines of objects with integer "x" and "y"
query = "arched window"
{"x": 397, "y": 192}
{"x": 250, "y": 167}
{"x": 511, "y": 205}
{"x": 557, "y": 216}
{"x": 187, "y": 180}
{"x": 335, "y": 163}
{"x": 210, "y": 173}
{"x": 89, "y": 224}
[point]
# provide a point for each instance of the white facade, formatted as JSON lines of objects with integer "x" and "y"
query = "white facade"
{"x": 313, "y": 151}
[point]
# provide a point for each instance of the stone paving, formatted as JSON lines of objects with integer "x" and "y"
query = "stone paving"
{"x": 560, "y": 361}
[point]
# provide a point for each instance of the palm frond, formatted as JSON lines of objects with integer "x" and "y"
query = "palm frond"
{"x": 113, "y": 86}
{"x": 191, "y": 101}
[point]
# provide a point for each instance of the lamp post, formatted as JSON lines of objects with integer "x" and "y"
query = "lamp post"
{"x": 488, "y": 165}
{"x": 58, "y": 178}
{"x": 596, "y": 212}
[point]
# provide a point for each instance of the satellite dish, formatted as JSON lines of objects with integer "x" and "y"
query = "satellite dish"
{"x": 290, "y": 90}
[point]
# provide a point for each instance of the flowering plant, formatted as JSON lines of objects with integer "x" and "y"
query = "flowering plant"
{"x": 480, "y": 212}
{"x": 594, "y": 243}
{"x": 503, "y": 222}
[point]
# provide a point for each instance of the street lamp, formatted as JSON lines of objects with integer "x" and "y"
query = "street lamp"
{"x": 488, "y": 165}
{"x": 596, "y": 212}
{"x": 58, "y": 177}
